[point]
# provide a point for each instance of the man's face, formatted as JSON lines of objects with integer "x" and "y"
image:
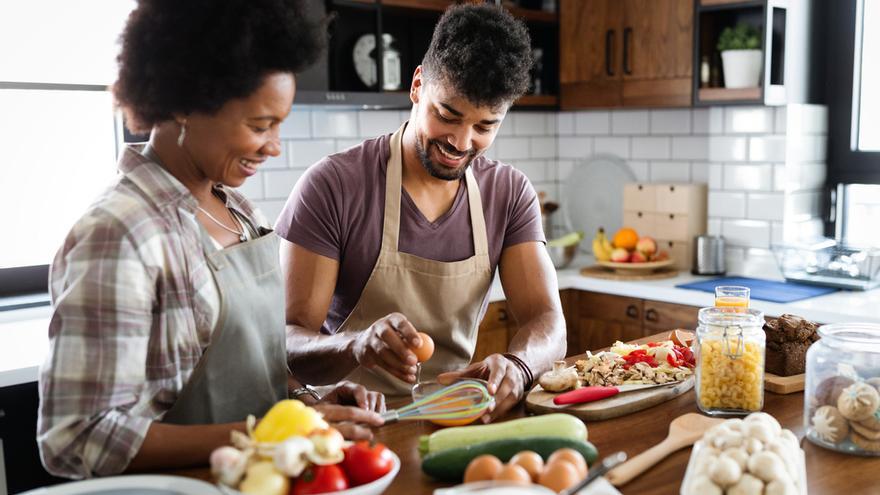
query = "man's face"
{"x": 450, "y": 131}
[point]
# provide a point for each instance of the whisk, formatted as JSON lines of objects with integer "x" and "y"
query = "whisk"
{"x": 461, "y": 401}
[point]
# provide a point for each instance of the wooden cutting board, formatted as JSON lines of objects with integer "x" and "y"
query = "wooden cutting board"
{"x": 784, "y": 384}
{"x": 541, "y": 402}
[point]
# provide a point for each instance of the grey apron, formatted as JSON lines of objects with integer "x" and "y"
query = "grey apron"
{"x": 244, "y": 369}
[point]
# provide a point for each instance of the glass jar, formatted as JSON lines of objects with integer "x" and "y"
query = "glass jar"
{"x": 729, "y": 351}
{"x": 842, "y": 391}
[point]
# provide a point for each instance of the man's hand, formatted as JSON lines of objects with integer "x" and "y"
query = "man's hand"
{"x": 351, "y": 394}
{"x": 352, "y": 422}
{"x": 387, "y": 344}
{"x": 506, "y": 382}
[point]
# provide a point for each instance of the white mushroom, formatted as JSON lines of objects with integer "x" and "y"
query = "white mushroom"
{"x": 725, "y": 471}
{"x": 703, "y": 463}
{"x": 228, "y": 465}
{"x": 753, "y": 446}
{"x": 734, "y": 424}
{"x": 739, "y": 455}
{"x": 702, "y": 485}
{"x": 791, "y": 438}
{"x": 762, "y": 417}
{"x": 290, "y": 456}
{"x": 747, "y": 485}
{"x": 781, "y": 487}
{"x": 727, "y": 440}
{"x": 767, "y": 466}
{"x": 328, "y": 447}
{"x": 560, "y": 378}
{"x": 760, "y": 430}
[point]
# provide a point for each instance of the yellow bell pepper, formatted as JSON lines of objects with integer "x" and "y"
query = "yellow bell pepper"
{"x": 286, "y": 419}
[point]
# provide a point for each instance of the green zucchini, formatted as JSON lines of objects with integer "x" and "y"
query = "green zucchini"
{"x": 450, "y": 464}
{"x": 548, "y": 425}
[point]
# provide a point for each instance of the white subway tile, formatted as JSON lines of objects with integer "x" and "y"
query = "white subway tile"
{"x": 535, "y": 170}
{"x": 618, "y": 146}
{"x": 727, "y": 205}
{"x": 767, "y": 149}
{"x": 746, "y": 233}
{"x": 563, "y": 169}
{"x": 739, "y": 120}
{"x": 592, "y": 123}
{"x": 306, "y": 153}
{"x": 671, "y": 121}
{"x": 670, "y": 172}
{"x": 279, "y": 183}
{"x": 690, "y": 148}
{"x": 552, "y": 123}
{"x": 780, "y": 177}
{"x": 807, "y": 119}
{"x": 297, "y": 125}
{"x": 713, "y": 226}
{"x": 766, "y": 206}
{"x": 512, "y": 148}
{"x": 716, "y": 176}
{"x": 492, "y": 152}
{"x": 543, "y": 147}
{"x": 807, "y": 229}
{"x": 760, "y": 263}
{"x": 801, "y": 206}
{"x": 565, "y": 123}
{"x": 716, "y": 120}
{"x": 252, "y": 188}
{"x": 806, "y": 175}
{"x": 806, "y": 148}
{"x": 334, "y": 124}
{"x": 641, "y": 170}
{"x": 652, "y": 148}
{"x": 629, "y": 122}
{"x": 727, "y": 149}
{"x": 748, "y": 177}
{"x": 271, "y": 209}
{"x": 506, "y": 129}
{"x": 777, "y": 233}
{"x": 700, "y": 173}
{"x": 700, "y": 118}
{"x": 781, "y": 118}
{"x": 734, "y": 257}
{"x": 375, "y": 123}
{"x": 344, "y": 144}
{"x": 280, "y": 161}
{"x": 530, "y": 124}
{"x": 574, "y": 147}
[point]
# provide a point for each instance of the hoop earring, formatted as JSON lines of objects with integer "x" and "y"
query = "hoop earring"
{"x": 182, "y": 135}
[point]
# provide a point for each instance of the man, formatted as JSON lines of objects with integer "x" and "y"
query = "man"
{"x": 403, "y": 233}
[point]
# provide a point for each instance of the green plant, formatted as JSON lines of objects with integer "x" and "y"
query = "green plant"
{"x": 741, "y": 37}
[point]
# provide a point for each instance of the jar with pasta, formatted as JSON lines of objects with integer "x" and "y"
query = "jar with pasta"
{"x": 729, "y": 351}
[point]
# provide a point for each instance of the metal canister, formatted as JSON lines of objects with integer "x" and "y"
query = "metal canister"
{"x": 708, "y": 255}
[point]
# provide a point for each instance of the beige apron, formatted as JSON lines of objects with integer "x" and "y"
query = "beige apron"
{"x": 441, "y": 299}
{"x": 244, "y": 369}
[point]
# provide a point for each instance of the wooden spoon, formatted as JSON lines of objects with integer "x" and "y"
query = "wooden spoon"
{"x": 683, "y": 432}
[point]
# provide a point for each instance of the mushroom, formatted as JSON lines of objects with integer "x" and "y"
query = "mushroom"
{"x": 560, "y": 378}
{"x": 739, "y": 455}
{"x": 768, "y": 466}
{"x": 725, "y": 471}
{"x": 290, "y": 456}
{"x": 702, "y": 485}
{"x": 747, "y": 485}
{"x": 781, "y": 487}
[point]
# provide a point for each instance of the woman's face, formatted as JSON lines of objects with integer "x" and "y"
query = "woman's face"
{"x": 229, "y": 146}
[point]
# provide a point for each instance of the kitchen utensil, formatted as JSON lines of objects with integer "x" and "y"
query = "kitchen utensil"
{"x": 593, "y": 393}
{"x": 593, "y": 194}
{"x": 683, "y": 432}
{"x": 464, "y": 400}
{"x": 708, "y": 255}
{"x": 829, "y": 263}
{"x": 562, "y": 256}
{"x": 597, "y": 471}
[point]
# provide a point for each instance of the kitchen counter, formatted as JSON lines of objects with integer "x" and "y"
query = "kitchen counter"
{"x": 24, "y": 340}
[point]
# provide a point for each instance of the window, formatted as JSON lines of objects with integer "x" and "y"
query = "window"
{"x": 866, "y": 76}
{"x": 58, "y": 127}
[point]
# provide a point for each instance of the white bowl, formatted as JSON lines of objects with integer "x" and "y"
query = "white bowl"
{"x": 153, "y": 484}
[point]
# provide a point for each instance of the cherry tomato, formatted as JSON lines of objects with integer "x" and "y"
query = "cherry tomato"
{"x": 320, "y": 479}
{"x": 364, "y": 462}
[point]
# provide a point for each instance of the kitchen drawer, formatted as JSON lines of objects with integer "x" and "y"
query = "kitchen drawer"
{"x": 661, "y": 316}
{"x": 680, "y": 198}
{"x": 681, "y": 252}
{"x": 639, "y": 197}
{"x": 496, "y": 316}
{"x": 610, "y": 308}
{"x": 490, "y": 340}
{"x": 644, "y": 222}
{"x": 673, "y": 226}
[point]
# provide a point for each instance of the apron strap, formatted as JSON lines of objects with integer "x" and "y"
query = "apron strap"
{"x": 478, "y": 222}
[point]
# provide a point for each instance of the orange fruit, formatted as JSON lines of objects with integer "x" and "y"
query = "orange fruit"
{"x": 626, "y": 238}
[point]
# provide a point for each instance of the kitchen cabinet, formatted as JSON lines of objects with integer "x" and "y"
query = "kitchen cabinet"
{"x": 632, "y": 53}
{"x": 495, "y": 332}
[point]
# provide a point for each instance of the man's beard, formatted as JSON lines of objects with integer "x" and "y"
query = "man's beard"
{"x": 439, "y": 171}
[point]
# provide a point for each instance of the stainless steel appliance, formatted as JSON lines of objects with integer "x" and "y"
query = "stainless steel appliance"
{"x": 830, "y": 263}
{"x": 708, "y": 255}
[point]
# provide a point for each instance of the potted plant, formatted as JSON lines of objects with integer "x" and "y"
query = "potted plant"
{"x": 740, "y": 49}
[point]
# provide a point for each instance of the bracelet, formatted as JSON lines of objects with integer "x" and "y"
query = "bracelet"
{"x": 527, "y": 372}
{"x": 304, "y": 390}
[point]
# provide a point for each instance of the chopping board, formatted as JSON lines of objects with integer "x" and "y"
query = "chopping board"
{"x": 596, "y": 271}
{"x": 784, "y": 384}
{"x": 540, "y": 401}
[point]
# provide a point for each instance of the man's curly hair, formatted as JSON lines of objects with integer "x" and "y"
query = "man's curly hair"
{"x": 483, "y": 52}
{"x": 184, "y": 56}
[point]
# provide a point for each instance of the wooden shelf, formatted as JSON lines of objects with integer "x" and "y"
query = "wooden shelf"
{"x": 433, "y": 5}
{"x": 743, "y": 3}
{"x": 725, "y": 94}
{"x": 530, "y": 15}
{"x": 537, "y": 101}
{"x": 534, "y": 15}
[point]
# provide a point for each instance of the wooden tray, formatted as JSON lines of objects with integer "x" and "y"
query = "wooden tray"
{"x": 540, "y": 402}
{"x": 784, "y": 384}
{"x": 596, "y": 271}
{"x": 628, "y": 268}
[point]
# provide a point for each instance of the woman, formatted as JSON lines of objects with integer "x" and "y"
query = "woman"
{"x": 168, "y": 323}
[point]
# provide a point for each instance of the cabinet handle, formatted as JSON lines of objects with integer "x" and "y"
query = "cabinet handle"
{"x": 652, "y": 315}
{"x": 627, "y": 32}
{"x": 632, "y": 311}
{"x": 609, "y": 46}
{"x": 502, "y": 315}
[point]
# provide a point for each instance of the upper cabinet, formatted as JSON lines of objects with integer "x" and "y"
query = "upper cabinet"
{"x": 635, "y": 53}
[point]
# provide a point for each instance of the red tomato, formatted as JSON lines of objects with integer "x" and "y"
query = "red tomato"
{"x": 364, "y": 462}
{"x": 320, "y": 479}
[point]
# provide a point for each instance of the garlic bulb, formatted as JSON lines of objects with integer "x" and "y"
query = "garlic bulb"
{"x": 228, "y": 465}
{"x": 290, "y": 456}
{"x": 328, "y": 447}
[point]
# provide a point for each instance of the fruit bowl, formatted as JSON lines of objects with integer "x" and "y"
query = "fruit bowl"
{"x": 632, "y": 268}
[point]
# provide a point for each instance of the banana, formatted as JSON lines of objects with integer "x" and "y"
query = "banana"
{"x": 602, "y": 246}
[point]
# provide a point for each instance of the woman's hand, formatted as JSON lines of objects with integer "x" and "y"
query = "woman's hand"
{"x": 352, "y": 409}
{"x": 351, "y": 394}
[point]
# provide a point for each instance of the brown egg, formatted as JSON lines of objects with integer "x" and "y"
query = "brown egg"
{"x": 530, "y": 461}
{"x": 514, "y": 474}
{"x": 572, "y": 456}
{"x": 559, "y": 475}
{"x": 484, "y": 467}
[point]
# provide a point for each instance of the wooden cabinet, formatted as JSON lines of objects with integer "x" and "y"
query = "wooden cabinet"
{"x": 495, "y": 332}
{"x": 626, "y": 53}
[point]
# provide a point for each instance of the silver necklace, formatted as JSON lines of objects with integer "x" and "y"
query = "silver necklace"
{"x": 239, "y": 233}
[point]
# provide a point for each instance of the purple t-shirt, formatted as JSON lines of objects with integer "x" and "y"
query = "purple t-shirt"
{"x": 337, "y": 208}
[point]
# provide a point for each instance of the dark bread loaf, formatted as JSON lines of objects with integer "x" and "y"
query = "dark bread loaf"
{"x": 788, "y": 338}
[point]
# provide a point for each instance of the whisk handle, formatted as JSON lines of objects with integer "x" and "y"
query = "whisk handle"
{"x": 390, "y": 416}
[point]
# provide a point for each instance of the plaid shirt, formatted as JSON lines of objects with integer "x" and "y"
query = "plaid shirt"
{"x": 134, "y": 308}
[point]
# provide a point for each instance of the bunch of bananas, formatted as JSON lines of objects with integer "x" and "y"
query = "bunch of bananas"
{"x": 602, "y": 246}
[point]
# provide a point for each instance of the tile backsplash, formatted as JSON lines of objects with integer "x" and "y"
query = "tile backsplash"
{"x": 764, "y": 166}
